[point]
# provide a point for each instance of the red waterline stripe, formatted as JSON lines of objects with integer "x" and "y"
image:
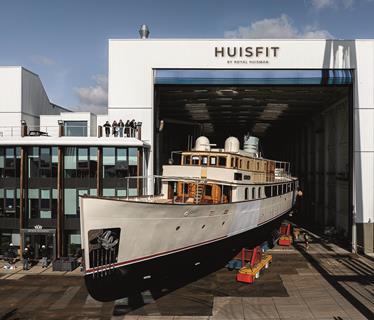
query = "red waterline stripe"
{"x": 150, "y": 256}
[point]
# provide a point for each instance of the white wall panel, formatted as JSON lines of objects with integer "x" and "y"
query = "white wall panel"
{"x": 364, "y": 168}
{"x": 364, "y": 130}
{"x": 10, "y": 91}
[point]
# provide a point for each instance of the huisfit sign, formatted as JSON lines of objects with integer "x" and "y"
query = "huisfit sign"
{"x": 246, "y": 54}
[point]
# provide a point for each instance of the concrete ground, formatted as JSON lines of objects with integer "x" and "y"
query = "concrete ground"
{"x": 325, "y": 282}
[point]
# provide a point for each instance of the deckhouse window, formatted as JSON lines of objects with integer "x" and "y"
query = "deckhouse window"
{"x": 274, "y": 191}
{"x": 213, "y": 161}
{"x": 187, "y": 160}
{"x": 259, "y": 192}
{"x": 222, "y": 161}
{"x": 247, "y": 165}
{"x": 246, "y": 193}
{"x": 195, "y": 160}
{"x": 204, "y": 161}
{"x": 232, "y": 162}
{"x": 253, "y": 192}
{"x": 268, "y": 191}
{"x": 258, "y": 166}
{"x": 238, "y": 176}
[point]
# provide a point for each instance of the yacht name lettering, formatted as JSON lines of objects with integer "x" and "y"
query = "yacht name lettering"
{"x": 239, "y": 52}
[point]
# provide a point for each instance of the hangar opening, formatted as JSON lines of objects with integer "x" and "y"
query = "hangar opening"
{"x": 300, "y": 116}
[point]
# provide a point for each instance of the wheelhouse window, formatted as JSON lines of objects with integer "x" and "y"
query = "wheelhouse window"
{"x": 222, "y": 161}
{"x": 195, "y": 160}
{"x": 204, "y": 160}
{"x": 213, "y": 161}
{"x": 187, "y": 160}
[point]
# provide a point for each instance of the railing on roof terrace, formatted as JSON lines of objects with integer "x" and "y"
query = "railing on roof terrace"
{"x": 46, "y": 131}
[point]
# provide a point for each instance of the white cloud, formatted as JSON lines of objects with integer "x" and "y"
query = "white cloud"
{"x": 94, "y": 98}
{"x": 46, "y": 61}
{"x": 322, "y": 4}
{"x": 281, "y": 27}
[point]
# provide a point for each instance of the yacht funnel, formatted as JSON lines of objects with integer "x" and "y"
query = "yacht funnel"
{"x": 251, "y": 144}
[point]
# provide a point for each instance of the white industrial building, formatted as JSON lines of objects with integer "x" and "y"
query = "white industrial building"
{"x": 311, "y": 102}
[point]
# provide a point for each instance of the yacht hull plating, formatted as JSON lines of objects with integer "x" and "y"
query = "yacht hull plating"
{"x": 132, "y": 245}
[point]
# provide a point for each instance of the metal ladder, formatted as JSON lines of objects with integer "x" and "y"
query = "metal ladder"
{"x": 199, "y": 193}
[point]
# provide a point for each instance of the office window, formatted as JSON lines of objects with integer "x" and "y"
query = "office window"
{"x": 42, "y": 162}
{"x": 9, "y": 203}
{"x": 10, "y": 161}
{"x": 133, "y": 156}
{"x": 115, "y": 162}
{"x": 42, "y": 203}
{"x": 75, "y": 128}
{"x": 71, "y": 199}
{"x": 80, "y": 162}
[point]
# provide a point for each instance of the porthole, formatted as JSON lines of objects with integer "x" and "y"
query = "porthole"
{"x": 203, "y": 226}
{"x": 177, "y": 228}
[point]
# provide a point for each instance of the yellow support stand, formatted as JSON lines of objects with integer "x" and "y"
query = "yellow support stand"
{"x": 249, "y": 274}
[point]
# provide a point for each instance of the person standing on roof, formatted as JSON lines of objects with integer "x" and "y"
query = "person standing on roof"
{"x": 115, "y": 128}
{"x": 120, "y": 127}
{"x": 107, "y": 128}
{"x": 127, "y": 128}
{"x": 132, "y": 127}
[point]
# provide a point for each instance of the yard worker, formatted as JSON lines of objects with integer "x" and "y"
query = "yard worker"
{"x": 107, "y": 128}
{"x": 306, "y": 240}
{"x": 43, "y": 252}
{"x": 12, "y": 255}
{"x": 26, "y": 258}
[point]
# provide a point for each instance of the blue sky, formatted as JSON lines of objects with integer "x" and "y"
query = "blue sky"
{"x": 66, "y": 41}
